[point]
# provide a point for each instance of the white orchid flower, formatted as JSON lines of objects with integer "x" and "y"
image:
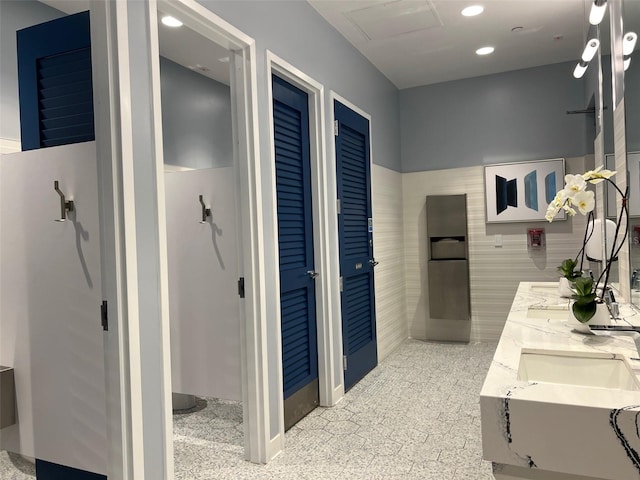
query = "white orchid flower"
{"x": 585, "y": 201}
{"x": 574, "y": 196}
{"x": 574, "y": 184}
{"x": 598, "y": 175}
{"x": 561, "y": 197}
{"x": 552, "y": 211}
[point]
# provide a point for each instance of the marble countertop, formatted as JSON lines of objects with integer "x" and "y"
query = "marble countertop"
{"x": 551, "y": 426}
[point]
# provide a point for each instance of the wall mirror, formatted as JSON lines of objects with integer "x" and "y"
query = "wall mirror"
{"x": 631, "y": 75}
{"x": 599, "y": 138}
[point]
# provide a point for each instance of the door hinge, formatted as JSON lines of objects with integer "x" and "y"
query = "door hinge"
{"x": 104, "y": 316}
{"x": 338, "y": 206}
{"x": 344, "y": 362}
{"x": 241, "y": 287}
{"x": 335, "y": 128}
{"x": 341, "y": 284}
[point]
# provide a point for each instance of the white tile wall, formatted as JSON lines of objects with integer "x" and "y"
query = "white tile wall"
{"x": 494, "y": 272}
{"x": 388, "y": 245}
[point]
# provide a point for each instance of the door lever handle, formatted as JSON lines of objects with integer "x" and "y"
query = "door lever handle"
{"x": 206, "y": 212}
{"x": 65, "y": 205}
{"x": 373, "y": 263}
{"x": 313, "y": 274}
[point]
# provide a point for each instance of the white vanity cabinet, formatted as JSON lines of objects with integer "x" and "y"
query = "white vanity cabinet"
{"x": 560, "y": 405}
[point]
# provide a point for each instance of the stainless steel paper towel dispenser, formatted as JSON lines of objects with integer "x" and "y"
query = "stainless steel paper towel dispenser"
{"x": 448, "y": 266}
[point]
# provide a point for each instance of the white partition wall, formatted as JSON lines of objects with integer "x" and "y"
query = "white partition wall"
{"x": 50, "y": 297}
{"x": 203, "y": 293}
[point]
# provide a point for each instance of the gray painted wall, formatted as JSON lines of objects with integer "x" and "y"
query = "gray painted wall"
{"x": 196, "y": 118}
{"x": 507, "y": 117}
{"x": 15, "y": 15}
{"x": 297, "y": 33}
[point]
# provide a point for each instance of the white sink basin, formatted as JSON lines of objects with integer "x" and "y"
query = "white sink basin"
{"x": 586, "y": 369}
{"x": 545, "y": 288}
{"x": 557, "y": 312}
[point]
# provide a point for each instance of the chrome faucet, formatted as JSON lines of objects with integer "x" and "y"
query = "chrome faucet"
{"x": 610, "y": 301}
{"x": 620, "y": 331}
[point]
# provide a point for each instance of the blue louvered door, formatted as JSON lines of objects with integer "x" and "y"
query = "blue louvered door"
{"x": 55, "y": 83}
{"x": 356, "y": 244}
{"x": 295, "y": 241}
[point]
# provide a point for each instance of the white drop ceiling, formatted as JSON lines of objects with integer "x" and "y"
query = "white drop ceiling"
{"x": 421, "y": 42}
{"x": 190, "y": 49}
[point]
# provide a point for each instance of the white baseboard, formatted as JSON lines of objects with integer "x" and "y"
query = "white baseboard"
{"x": 275, "y": 447}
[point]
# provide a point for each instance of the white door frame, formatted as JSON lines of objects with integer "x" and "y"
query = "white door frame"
{"x": 117, "y": 242}
{"x": 330, "y": 380}
{"x": 124, "y": 359}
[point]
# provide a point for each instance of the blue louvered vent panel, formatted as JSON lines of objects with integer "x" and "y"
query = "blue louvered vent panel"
{"x": 295, "y": 337}
{"x": 291, "y": 220}
{"x": 358, "y": 311}
{"x": 354, "y": 196}
{"x": 65, "y": 98}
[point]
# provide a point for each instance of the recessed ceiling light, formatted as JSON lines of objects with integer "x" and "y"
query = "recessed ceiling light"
{"x": 170, "y": 21}
{"x": 485, "y": 50}
{"x": 473, "y": 10}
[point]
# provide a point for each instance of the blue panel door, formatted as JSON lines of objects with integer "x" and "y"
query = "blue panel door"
{"x": 295, "y": 241}
{"x": 55, "y": 83}
{"x": 356, "y": 244}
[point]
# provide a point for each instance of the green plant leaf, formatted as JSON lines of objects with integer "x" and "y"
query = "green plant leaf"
{"x": 583, "y": 287}
{"x": 568, "y": 269}
{"x": 584, "y": 299}
{"x": 584, "y": 312}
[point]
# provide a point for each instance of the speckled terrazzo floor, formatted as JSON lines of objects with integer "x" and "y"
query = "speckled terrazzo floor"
{"x": 416, "y": 416}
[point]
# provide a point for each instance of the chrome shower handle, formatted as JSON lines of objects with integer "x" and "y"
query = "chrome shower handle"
{"x": 65, "y": 205}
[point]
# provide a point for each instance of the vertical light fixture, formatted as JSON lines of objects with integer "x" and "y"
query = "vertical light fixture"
{"x": 597, "y": 11}
{"x": 588, "y": 53}
{"x": 590, "y": 50}
{"x": 581, "y": 67}
{"x": 629, "y": 43}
